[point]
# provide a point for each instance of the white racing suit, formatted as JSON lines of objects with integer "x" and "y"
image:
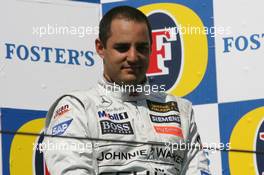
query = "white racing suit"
{"x": 113, "y": 123}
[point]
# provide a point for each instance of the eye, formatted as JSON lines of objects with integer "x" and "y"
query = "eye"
{"x": 143, "y": 48}
{"x": 122, "y": 47}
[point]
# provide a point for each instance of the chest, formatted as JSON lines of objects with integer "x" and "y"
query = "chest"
{"x": 142, "y": 121}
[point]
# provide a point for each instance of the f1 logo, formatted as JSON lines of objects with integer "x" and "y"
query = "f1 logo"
{"x": 161, "y": 51}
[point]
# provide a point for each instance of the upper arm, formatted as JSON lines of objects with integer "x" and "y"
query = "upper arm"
{"x": 67, "y": 153}
{"x": 196, "y": 161}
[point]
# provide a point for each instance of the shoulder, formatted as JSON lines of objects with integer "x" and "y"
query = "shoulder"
{"x": 85, "y": 98}
{"x": 165, "y": 97}
{"x": 72, "y": 102}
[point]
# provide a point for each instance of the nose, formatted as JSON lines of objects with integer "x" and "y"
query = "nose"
{"x": 132, "y": 55}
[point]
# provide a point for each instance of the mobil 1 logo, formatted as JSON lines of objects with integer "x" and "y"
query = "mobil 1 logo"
{"x": 109, "y": 127}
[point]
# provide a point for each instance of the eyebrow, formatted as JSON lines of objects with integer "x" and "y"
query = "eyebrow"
{"x": 126, "y": 43}
{"x": 121, "y": 43}
{"x": 144, "y": 43}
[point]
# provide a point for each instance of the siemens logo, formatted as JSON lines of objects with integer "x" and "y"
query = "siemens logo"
{"x": 165, "y": 119}
{"x": 49, "y": 54}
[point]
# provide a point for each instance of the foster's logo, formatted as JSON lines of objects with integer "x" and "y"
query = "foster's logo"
{"x": 173, "y": 45}
{"x": 166, "y": 57}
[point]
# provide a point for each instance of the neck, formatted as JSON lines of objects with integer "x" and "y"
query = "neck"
{"x": 110, "y": 80}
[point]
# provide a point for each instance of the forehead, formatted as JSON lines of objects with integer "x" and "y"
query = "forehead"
{"x": 127, "y": 30}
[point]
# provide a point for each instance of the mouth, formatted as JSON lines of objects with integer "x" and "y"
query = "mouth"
{"x": 132, "y": 67}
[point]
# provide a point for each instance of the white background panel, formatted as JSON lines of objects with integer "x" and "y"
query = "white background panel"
{"x": 35, "y": 85}
{"x": 108, "y": 1}
{"x": 1, "y": 170}
{"x": 239, "y": 73}
{"x": 206, "y": 117}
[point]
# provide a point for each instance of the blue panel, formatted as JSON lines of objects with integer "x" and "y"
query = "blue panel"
{"x": 89, "y": 1}
{"x": 12, "y": 120}
{"x": 229, "y": 115}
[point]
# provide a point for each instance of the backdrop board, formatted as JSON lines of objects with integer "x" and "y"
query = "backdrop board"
{"x": 183, "y": 59}
{"x": 218, "y": 69}
{"x": 207, "y": 51}
{"x": 46, "y": 50}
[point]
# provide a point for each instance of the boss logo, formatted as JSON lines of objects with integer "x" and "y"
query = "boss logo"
{"x": 109, "y": 127}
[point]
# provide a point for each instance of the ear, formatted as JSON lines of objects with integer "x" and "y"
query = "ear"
{"x": 99, "y": 48}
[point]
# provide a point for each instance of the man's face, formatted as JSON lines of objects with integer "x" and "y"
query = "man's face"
{"x": 127, "y": 51}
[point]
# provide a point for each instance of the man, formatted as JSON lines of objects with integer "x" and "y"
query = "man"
{"x": 120, "y": 119}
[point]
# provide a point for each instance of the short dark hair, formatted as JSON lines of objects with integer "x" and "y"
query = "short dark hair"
{"x": 125, "y": 12}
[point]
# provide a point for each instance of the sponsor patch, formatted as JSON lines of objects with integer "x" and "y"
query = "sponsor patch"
{"x": 62, "y": 110}
{"x": 165, "y": 119}
{"x": 109, "y": 127}
{"x": 157, "y": 171}
{"x": 113, "y": 116}
{"x": 104, "y": 102}
{"x": 123, "y": 155}
{"x": 173, "y": 130}
{"x": 140, "y": 153}
{"x": 204, "y": 173}
{"x": 162, "y": 107}
{"x": 60, "y": 128}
